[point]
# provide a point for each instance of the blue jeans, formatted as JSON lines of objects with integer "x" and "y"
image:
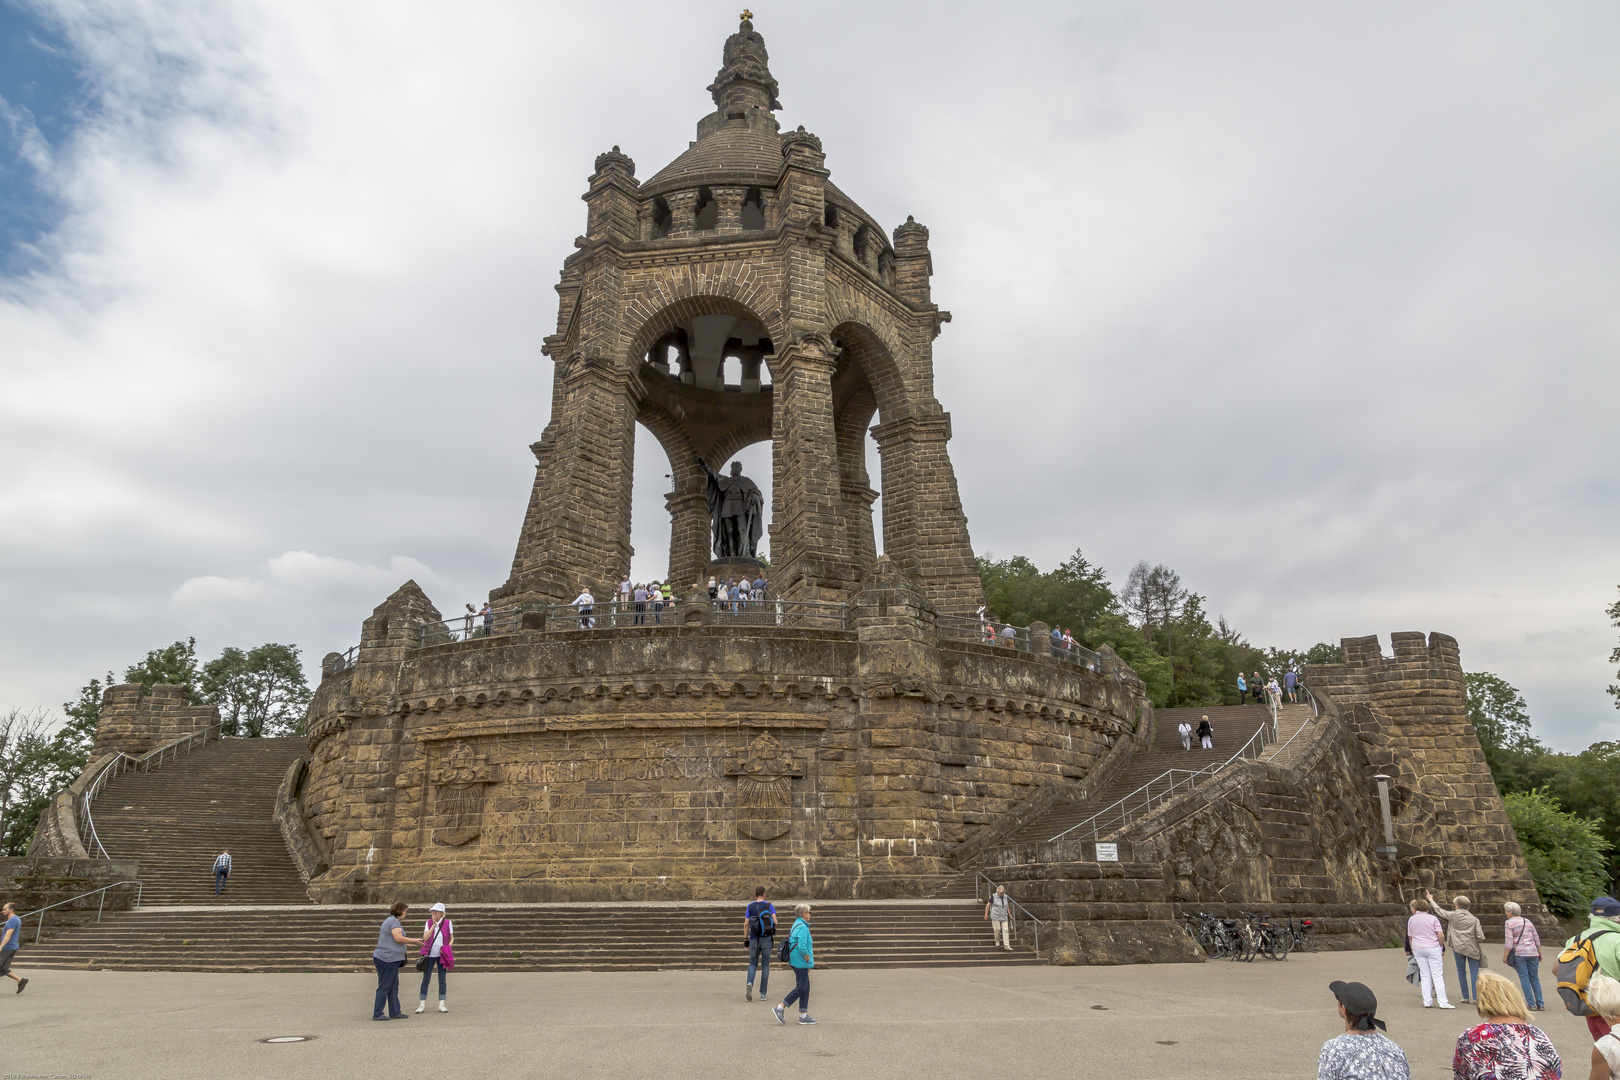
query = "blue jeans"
{"x": 1529, "y": 969}
{"x": 387, "y": 987}
{"x": 219, "y": 880}
{"x": 1467, "y": 974}
{"x": 427, "y": 977}
{"x": 759, "y": 955}
{"x": 800, "y": 991}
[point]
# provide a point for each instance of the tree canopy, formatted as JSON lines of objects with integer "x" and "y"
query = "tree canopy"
{"x": 259, "y": 692}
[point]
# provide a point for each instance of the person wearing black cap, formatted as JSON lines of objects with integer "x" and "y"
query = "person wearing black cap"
{"x": 1363, "y": 1052}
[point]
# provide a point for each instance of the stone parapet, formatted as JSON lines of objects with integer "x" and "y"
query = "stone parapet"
{"x": 134, "y": 722}
{"x": 685, "y": 761}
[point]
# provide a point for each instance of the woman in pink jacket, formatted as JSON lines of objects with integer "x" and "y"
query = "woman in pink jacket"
{"x": 1426, "y": 933}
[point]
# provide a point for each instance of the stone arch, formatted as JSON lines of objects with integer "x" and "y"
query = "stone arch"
{"x": 676, "y": 300}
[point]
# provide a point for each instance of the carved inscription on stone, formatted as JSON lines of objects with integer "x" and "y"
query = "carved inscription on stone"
{"x": 458, "y": 796}
{"x": 764, "y": 775}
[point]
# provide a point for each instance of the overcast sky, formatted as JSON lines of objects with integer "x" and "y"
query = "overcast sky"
{"x": 1315, "y": 303}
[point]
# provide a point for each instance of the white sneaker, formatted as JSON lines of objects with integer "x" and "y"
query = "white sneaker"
{"x": 1447, "y": 1005}
{"x": 422, "y": 1007}
{"x": 443, "y": 1007}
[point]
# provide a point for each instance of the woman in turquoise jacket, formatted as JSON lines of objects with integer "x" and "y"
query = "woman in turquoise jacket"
{"x": 802, "y": 957}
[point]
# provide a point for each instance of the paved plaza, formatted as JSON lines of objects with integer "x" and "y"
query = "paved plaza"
{"x": 1221, "y": 1019}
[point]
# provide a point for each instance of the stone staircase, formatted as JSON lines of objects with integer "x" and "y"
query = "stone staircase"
{"x": 175, "y": 819}
{"x": 1233, "y": 725}
{"x": 1290, "y": 718}
{"x": 561, "y": 937}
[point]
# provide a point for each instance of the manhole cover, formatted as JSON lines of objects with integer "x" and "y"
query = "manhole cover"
{"x": 287, "y": 1038}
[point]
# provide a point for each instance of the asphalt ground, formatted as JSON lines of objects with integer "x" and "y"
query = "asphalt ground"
{"x": 1219, "y": 1019}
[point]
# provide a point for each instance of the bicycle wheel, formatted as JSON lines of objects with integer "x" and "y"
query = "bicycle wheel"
{"x": 1278, "y": 944}
{"x": 1306, "y": 939}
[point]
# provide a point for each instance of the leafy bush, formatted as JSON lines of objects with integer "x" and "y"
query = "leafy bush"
{"x": 1566, "y": 853}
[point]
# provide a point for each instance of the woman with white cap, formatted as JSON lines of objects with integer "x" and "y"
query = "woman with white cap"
{"x": 436, "y": 938}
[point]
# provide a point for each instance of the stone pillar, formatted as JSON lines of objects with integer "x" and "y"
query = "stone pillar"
{"x": 683, "y": 213}
{"x": 807, "y": 541}
{"x": 856, "y": 499}
{"x": 689, "y": 541}
{"x": 612, "y": 199}
{"x": 730, "y": 202}
{"x": 913, "y": 265}
{"x": 924, "y": 529}
{"x": 803, "y": 188}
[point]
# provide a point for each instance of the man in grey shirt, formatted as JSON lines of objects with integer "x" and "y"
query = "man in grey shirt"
{"x": 389, "y": 957}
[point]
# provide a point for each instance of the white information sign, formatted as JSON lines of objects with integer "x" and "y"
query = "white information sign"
{"x": 1108, "y": 853}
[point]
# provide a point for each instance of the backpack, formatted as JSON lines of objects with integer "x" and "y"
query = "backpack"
{"x": 786, "y": 951}
{"x": 1574, "y": 969}
{"x": 763, "y": 923}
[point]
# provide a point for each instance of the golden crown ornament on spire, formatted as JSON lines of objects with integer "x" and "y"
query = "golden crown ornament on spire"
{"x": 746, "y": 15}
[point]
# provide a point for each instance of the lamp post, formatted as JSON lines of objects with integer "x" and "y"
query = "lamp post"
{"x": 1389, "y": 825}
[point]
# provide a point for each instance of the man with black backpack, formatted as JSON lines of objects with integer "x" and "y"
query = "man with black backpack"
{"x": 759, "y": 926}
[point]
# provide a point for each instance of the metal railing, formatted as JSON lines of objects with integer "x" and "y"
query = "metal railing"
{"x": 1163, "y": 787}
{"x": 1288, "y": 749}
{"x": 474, "y": 624}
{"x": 982, "y": 632}
{"x": 610, "y": 614}
{"x": 123, "y": 763}
{"x": 347, "y": 659}
{"x": 774, "y": 611}
{"x": 100, "y": 906}
{"x": 1077, "y": 654}
{"x": 978, "y": 876}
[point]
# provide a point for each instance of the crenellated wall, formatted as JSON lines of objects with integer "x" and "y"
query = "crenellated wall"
{"x": 134, "y": 722}
{"x": 688, "y": 761}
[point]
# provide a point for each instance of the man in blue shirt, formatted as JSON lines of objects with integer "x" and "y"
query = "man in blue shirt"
{"x": 11, "y": 941}
{"x": 759, "y": 925}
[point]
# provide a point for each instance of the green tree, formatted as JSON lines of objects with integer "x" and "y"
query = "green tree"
{"x": 1566, "y": 853}
{"x": 259, "y": 692}
{"x": 24, "y": 776}
{"x": 1074, "y": 596}
{"x": 1613, "y": 612}
{"x": 174, "y": 664}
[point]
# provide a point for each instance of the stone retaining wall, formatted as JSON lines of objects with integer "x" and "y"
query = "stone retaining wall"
{"x": 689, "y": 762}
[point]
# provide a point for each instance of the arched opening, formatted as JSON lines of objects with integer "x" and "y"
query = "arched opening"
{"x": 829, "y": 216}
{"x": 663, "y": 220}
{"x": 714, "y": 403}
{"x": 753, "y": 210}
{"x": 708, "y": 211}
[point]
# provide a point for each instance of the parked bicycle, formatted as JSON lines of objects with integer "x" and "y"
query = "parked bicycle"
{"x": 1220, "y": 938}
{"x": 1303, "y": 932}
{"x": 1270, "y": 938}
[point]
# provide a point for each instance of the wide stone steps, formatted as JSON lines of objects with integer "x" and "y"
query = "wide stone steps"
{"x": 1234, "y": 725}
{"x": 175, "y": 819}
{"x": 521, "y": 938}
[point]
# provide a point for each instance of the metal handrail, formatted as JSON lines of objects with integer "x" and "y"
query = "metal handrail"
{"x": 982, "y": 631}
{"x": 123, "y": 763}
{"x": 99, "y": 906}
{"x": 1316, "y": 714}
{"x": 981, "y": 875}
{"x": 1191, "y": 776}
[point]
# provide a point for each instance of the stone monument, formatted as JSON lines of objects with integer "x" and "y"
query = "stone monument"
{"x": 856, "y": 734}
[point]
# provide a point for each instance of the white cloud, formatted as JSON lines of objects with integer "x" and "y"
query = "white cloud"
{"x": 1314, "y": 304}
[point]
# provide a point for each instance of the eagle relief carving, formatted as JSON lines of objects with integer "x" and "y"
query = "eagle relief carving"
{"x": 764, "y": 773}
{"x": 458, "y": 795}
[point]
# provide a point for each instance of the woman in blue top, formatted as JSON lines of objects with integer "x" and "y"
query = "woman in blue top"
{"x": 802, "y": 957}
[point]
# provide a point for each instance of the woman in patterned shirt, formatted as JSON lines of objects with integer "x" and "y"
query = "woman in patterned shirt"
{"x": 1506, "y": 1046}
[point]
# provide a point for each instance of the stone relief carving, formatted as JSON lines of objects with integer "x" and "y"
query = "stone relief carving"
{"x": 459, "y": 782}
{"x": 764, "y": 775}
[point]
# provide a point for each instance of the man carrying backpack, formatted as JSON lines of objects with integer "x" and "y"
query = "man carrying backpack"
{"x": 759, "y": 926}
{"x": 1604, "y": 934}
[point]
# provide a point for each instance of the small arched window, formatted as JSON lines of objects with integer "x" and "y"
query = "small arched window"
{"x": 753, "y": 210}
{"x": 708, "y": 211}
{"x": 662, "y": 218}
{"x": 829, "y": 217}
{"x": 865, "y": 245}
